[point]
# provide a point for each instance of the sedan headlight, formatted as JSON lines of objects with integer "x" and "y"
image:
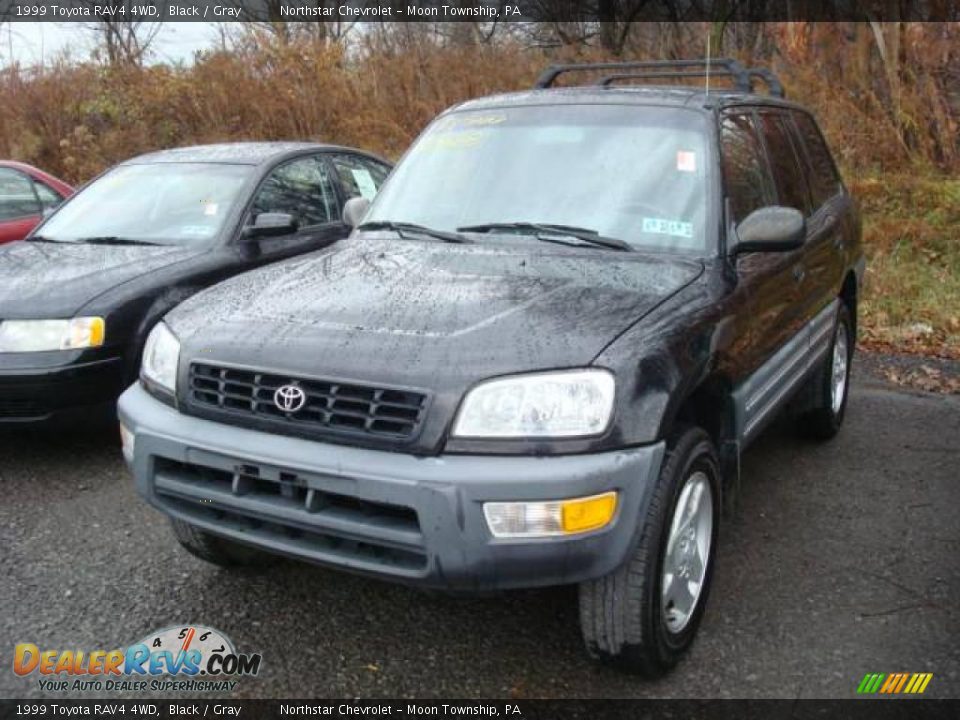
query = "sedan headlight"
{"x": 570, "y": 403}
{"x": 161, "y": 357}
{"x": 47, "y": 335}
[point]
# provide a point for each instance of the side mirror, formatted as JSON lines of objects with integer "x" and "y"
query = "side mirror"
{"x": 771, "y": 229}
{"x": 49, "y": 210}
{"x": 354, "y": 210}
{"x": 272, "y": 225}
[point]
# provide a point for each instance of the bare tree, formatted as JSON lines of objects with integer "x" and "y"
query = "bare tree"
{"x": 123, "y": 33}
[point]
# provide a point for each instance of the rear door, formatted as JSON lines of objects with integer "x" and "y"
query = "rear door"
{"x": 358, "y": 175}
{"x": 825, "y": 251}
{"x": 304, "y": 188}
{"x": 19, "y": 205}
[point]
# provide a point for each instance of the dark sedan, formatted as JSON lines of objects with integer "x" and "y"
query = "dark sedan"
{"x": 79, "y": 296}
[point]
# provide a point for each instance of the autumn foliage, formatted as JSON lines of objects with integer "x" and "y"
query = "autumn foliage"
{"x": 886, "y": 94}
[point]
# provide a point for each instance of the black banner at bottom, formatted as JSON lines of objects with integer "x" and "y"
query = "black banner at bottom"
{"x": 866, "y": 709}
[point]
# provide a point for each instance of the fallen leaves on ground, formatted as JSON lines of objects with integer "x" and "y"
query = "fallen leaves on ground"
{"x": 923, "y": 377}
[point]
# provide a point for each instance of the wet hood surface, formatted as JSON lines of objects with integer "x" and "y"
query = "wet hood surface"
{"x": 435, "y": 316}
{"x": 53, "y": 280}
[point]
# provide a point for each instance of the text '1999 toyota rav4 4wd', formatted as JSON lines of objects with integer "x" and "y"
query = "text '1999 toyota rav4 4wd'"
{"x": 535, "y": 362}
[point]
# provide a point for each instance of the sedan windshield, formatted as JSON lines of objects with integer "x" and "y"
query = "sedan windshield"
{"x": 630, "y": 173}
{"x": 182, "y": 204}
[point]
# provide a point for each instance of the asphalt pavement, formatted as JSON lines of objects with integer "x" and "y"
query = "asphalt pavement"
{"x": 844, "y": 559}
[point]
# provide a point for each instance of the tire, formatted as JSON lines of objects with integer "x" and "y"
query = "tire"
{"x": 825, "y": 412}
{"x": 218, "y": 550}
{"x": 622, "y": 616}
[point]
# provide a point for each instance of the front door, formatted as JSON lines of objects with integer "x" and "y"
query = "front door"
{"x": 304, "y": 189}
{"x": 771, "y": 280}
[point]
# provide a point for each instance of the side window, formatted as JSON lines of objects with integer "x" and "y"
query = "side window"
{"x": 49, "y": 198}
{"x": 301, "y": 188}
{"x": 16, "y": 196}
{"x": 745, "y": 173}
{"x": 824, "y": 180}
{"x": 359, "y": 176}
{"x": 787, "y": 175}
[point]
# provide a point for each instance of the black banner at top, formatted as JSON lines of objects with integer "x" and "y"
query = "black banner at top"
{"x": 477, "y": 10}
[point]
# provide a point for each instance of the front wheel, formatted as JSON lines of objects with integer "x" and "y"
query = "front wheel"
{"x": 644, "y": 615}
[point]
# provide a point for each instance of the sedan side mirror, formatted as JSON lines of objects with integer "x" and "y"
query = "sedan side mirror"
{"x": 272, "y": 225}
{"x": 354, "y": 210}
{"x": 771, "y": 229}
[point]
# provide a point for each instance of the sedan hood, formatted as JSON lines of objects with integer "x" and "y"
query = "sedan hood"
{"x": 427, "y": 315}
{"x": 53, "y": 280}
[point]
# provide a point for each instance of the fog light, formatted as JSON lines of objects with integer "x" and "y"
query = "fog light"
{"x": 550, "y": 518}
{"x": 127, "y": 441}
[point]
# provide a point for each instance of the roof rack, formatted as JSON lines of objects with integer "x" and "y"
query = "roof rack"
{"x": 719, "y": 67}
{"x": 774, "y": 86}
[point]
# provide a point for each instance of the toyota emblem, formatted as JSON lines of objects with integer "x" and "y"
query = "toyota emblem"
{"x": 290, "y": 398}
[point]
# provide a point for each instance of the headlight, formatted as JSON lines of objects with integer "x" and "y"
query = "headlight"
{"x": 47, "y": 335}
{"x": 161, "y": 356}
{"x": 570, "y": 403}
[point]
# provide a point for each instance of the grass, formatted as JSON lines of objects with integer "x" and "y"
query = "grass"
{"x": 911, "y": 231}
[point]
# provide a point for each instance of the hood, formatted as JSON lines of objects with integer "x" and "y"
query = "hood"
{"x": 53, "y": 280}
{"x": 427, "y": 315}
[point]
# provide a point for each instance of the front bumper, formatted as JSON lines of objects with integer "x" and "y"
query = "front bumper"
{"x": 412, "y": 519}
{"x": 36, "y": 395}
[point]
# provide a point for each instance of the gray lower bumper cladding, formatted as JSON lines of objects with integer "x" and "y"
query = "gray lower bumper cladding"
{"x": 417, "y": 520}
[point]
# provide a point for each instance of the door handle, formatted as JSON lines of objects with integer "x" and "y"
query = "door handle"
{"x": 799, "y": 273}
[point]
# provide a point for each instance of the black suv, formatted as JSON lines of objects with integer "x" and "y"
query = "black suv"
{"x": 536, "y": 361}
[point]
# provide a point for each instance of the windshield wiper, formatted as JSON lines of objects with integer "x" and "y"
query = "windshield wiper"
{"x": 402, "y": 228}
{"x": 114, "y": 240}
{"x": 44, "y": 238}
{"x": 549, "y": 232}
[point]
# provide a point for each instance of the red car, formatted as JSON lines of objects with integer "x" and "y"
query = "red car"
{"x": 25, "y": 195}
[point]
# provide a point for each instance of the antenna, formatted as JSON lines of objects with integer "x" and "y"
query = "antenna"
{"x": 707, "y": 89}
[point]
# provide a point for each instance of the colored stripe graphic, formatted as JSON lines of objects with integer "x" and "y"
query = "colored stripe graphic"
{"x": 894, "y": 683}
{"x": 890, "y": 684}
{"x": 924, "y": 680}
{"x": 870, "y": 683}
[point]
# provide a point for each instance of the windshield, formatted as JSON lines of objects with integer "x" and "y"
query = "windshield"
{"x": 632, "y": 173}
{"x": 181, "y": 204}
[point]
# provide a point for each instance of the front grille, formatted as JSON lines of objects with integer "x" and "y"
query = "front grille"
{"x": 330, "y": 405}
{"x": 277, "y": 508}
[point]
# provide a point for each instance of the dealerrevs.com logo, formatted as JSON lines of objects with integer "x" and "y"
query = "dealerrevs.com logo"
{"x": 189, "y": 658}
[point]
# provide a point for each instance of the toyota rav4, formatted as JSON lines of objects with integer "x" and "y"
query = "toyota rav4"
{"x": 536, "y": 360}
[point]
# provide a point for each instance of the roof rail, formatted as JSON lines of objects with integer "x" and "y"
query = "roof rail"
{"x": 774, "y": 86}
{"x": 720, "y": 67}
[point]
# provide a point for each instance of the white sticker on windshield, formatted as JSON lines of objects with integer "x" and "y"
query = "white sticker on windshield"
{"x": 686, "y": 161}
{"x": 210, "y": 208}
{"x": 675, "y": 228}
{"x": 365, "y": 183}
